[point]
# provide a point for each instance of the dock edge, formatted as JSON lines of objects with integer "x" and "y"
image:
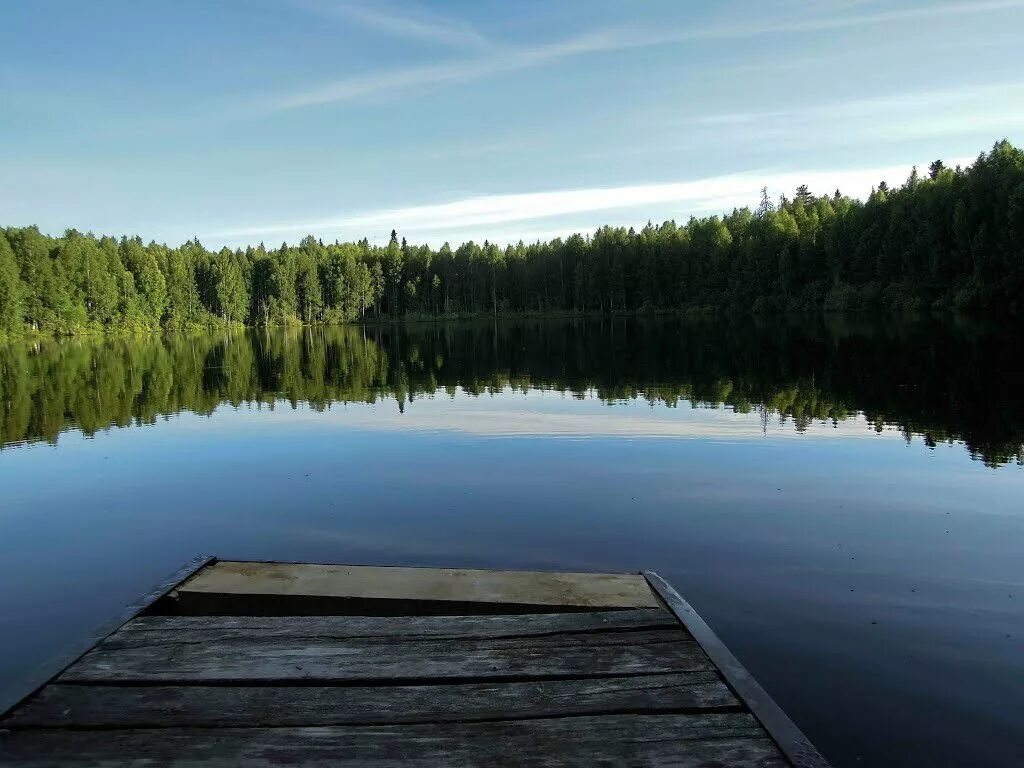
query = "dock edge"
{"x": 40, "y": 676}
{"x": 783, "y": 731}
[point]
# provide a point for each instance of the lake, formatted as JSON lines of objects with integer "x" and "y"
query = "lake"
{"x": 841, "y": 498}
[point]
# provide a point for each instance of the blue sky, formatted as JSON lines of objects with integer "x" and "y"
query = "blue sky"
{"x": 248, "y": 120}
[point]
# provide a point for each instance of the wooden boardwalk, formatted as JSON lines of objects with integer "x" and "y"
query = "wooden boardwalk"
{"x": 297, "y": 664}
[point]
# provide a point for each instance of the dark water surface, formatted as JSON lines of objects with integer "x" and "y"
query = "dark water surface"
{"x": 842, "y": 501}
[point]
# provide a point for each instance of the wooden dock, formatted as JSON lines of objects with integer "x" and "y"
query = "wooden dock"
{"x": 243, "y": 663}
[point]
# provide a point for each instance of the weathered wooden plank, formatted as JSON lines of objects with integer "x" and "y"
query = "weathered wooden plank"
{"x": 85, "y": 706}
{"x": 783, "y": 731}
{"x": 370, "y": 659}
{"x": 152, "y": 630}
{"x": 681, "y": 741}
{"x": 254, "y": 588}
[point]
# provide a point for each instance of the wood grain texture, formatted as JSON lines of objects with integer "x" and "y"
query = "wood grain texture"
{"x": 433, "y": 586}
{"x": 83, "y": 706}
{"x": 371, "y": 659}
{"x": 681, "y": 741}
{"x": 151, "y": 630}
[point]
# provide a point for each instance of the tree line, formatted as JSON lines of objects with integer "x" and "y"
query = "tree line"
{"x": 947, "y": 238}
{"x": 936, "y": 382}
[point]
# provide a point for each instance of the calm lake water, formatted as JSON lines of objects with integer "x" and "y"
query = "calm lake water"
{"x": 843, "y": 501}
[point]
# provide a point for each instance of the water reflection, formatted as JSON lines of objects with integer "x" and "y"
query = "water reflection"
{"x": 942, "y": 382}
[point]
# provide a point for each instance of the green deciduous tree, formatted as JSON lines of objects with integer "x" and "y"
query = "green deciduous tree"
{"x": 143, "y": 263}
{"x": 11, "y": 290}
{"x": 946, "y": 240}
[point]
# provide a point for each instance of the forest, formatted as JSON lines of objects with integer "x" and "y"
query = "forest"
{"x": 934, "y": 381}
{"x": 947, "y": 238}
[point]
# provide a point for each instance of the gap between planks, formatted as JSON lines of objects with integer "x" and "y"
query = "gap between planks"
{"x": 73, "y": 706}
{"x": 683, "y": 741}
{"x": 372, "y": 659}
{"x": 149, "y": 630}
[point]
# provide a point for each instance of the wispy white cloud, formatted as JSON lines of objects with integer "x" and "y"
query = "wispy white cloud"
{"x": 513, "y": 59}
{"x": 976, "y": 115}
{"x": 852, "y": 55}
{"x": 833, "y": 20}
{"x": 507, "y": 60}
{"x": 483, "y": 215}
{"x": 404, "y": 21}
{"x": 502, "y": 145}
{"x": 991, "y": 110}
{"x": 882, "y": 105}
